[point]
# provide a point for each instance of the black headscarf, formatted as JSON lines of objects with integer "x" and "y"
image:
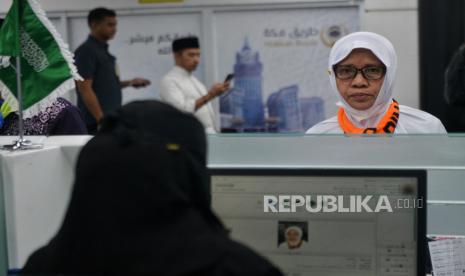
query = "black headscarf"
{"x": 141, "y": 204}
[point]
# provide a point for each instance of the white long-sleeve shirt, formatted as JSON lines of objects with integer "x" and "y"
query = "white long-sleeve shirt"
{"x": 181, "y": 89}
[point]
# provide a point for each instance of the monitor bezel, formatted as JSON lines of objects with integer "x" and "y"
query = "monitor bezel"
{"x": 420, "y": 175}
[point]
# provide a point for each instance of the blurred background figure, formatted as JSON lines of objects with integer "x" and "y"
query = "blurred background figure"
{"x": 184, "y": 91}
{"x": 454, "y": 89}
{"x": 100, "y": 92}
{"x": 60, "y": 118}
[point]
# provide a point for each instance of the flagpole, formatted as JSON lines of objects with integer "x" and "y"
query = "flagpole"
{"x": 18, "y": 74}
{"x": 20, "y": 98}
{"x": 21, "y": 143}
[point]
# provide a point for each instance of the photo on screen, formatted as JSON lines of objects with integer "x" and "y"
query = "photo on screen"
{"x": 292, "y": 235}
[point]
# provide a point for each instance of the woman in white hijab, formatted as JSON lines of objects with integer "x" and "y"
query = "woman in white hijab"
{"x": 362, "y": 69}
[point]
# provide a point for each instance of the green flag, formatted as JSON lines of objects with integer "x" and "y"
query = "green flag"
{"x": 47, "y": 65}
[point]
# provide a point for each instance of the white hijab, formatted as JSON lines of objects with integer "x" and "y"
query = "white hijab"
{"x": 384, "y": 51}
{"x": 295, "y": 228}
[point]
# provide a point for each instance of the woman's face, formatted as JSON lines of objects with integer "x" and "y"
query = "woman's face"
{"x": 360, "y": 93}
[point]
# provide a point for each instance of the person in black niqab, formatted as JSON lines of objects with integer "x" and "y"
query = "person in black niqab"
{"x": 141, "y": 204}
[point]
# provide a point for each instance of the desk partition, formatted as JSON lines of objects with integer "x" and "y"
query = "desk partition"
{"x": 442, "y": 156}
{"x": 35, "y": 185}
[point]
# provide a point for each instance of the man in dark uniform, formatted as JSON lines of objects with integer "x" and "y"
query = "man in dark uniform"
{"x": 100, "y": 92}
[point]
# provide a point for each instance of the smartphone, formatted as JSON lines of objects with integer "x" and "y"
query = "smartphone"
{"x": 229, "y": 77}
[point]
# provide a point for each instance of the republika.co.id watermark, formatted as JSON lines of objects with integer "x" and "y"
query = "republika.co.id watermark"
{"x": 337, "y": 203}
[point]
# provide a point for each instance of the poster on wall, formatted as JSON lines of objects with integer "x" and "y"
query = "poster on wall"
{"x": 142, "y": 46}
{"x": 279, "y": 61}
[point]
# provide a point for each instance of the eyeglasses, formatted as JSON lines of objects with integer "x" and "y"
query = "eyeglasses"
{"x": 345, "y": 72}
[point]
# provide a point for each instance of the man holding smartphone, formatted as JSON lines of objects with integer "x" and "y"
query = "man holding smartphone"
{"x": 184, "y": 91}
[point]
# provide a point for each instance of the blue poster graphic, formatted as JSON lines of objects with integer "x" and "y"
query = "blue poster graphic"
{"x": 279, "y": 60}
{"x": 242, "y": 108}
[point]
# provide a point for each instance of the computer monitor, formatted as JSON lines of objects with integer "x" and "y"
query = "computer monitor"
{"x": 327, "y": 222}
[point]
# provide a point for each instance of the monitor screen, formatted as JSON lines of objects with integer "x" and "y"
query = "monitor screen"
{"x": 327, "y": 222}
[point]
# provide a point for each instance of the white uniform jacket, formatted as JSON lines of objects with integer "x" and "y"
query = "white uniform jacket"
{"x": 411, "y": 121}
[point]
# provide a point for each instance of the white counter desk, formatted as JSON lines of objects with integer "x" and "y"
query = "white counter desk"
{"x": 35, "y": 185}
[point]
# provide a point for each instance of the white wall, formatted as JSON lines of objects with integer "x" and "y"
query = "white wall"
{"x": 81, "y": 5}
{"x": 395, "y": 19}
{"x": 398, "y": 21}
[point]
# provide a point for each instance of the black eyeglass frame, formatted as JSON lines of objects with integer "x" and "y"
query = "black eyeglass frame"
{"x": 361, "y": 70}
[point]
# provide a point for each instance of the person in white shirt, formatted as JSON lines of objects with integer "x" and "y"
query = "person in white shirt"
{"x": 362, "y": 68}
{"x": 183, "y": 90}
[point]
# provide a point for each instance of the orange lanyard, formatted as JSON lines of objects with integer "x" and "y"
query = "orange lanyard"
{"x": 387, "y": 124}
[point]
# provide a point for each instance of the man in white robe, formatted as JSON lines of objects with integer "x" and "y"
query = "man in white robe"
{"x": 362, "y": 68}
{"x": 183, "y": 90}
